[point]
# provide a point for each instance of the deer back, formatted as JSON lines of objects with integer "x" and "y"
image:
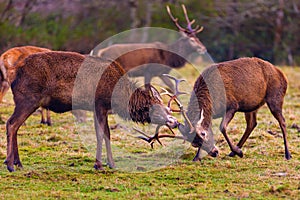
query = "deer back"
{"x": 14, "y": 56}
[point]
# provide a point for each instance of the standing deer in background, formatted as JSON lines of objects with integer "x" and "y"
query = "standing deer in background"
{"x": 241, "y": 85}
{"x": 9, "y": 63}
{"x": 155, "y": 59}
{"x": 62, "y": 81}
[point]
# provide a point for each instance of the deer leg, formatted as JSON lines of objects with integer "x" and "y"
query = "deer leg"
{"x": 43, "y": 120}
{"x": 102, "y": 132}
{"x": 251, "y": 124}
{"x": 110, "y": 160}
{"x": 21, "y": 113}
{"x": 99, "y": 137}
{"x": 276, "y": 110}
{"x": 49, "y": 123}
{"x": 225, "y": 121}
{"x": 197, "y": 156}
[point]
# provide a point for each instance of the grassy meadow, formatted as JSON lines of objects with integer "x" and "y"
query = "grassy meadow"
{"x": 58, "y": 160}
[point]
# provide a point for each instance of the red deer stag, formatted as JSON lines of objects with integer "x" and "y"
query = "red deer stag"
{"x": 10, "y": 61}
{"x": 241, "y": 85}
{"x": 191, "y": 132}
{"x": 49, "y": 79}
{"x": 155, "y": 59}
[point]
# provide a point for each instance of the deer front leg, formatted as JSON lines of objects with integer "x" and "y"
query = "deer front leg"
{"x": 21, "y": 113}
{"x": 49, "y": 123}
{"x": 251, "y": 124}
{"x": 102, "y": 132}
{"x": 99, "y": 137}
{"x": 225, "y": 121}
{"x": 197, "y": 156}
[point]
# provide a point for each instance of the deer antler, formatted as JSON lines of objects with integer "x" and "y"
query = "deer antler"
{"x": 156, "y": 137}
{"x": 175, "y": 20}
{"x": 174, "y": 97}
{"x": 189, "y": 28}
{"x": 190, "y": 23}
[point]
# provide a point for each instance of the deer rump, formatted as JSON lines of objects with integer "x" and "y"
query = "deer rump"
{"x": 241, "y": 85}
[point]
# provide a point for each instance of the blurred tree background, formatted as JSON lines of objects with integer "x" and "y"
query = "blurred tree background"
{"x": 268, "y": 29}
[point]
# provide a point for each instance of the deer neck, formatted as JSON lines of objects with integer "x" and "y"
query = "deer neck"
{"x": 200, "y": 100}
{"x": 131, "y": 103}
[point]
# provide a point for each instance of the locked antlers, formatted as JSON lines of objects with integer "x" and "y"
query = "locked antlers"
{"x": 173, "y": 97}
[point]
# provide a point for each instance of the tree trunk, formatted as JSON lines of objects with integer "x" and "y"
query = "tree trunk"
{"x": 278, "y": 30}
{"x": 147, "y": 21}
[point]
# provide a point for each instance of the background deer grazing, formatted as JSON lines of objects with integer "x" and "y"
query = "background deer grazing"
{"x": 241, "y": 85}
{"x": 155, "y": 59}
{"x": 62, "y": 81}
{"x": 9, "y": 63}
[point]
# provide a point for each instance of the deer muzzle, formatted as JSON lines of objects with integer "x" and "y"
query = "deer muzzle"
{"x": 172, "y": 122}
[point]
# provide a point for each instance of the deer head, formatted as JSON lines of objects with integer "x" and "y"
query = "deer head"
{"x": 196, "y": 134}
{"x": 189, "y": 33}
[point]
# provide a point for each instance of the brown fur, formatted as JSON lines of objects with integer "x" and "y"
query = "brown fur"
{"x": 14, "y": 56}
{"x": 65, "y": 81}
{"x": 153, "y": 59}
{"x": 11, "y": 60}
{"x": 241, "y": 85}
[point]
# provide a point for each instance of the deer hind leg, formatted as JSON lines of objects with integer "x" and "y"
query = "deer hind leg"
{"x": 21, "y": 113}
{"x": 251, "y": 124}
{"x": 49, "y": 123}
{"x": 225, "y": 121}
{"x": 102, "y": 132}
{"x": 99, "y": 137}
{"x": 47, "y": 119}
{"x": 276, "y": 110}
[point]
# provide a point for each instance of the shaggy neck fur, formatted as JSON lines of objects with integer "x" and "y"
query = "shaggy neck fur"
{"x": 200, "y": 99}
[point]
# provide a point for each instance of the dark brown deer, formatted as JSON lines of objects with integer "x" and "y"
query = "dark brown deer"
{"x": 241, "y": 85}
{"x": 155, "y": 59}
{"x": 9, "y": 63}
{"x": 64, "y": 81}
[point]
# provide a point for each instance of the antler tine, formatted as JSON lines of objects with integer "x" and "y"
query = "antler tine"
{"x": 177, "y": 81}
{"x": 189, "y": 26}
{"x": 190, "y": 23}
{"x": 156, "y": 137}
{"x": 175, "y": 20}
{"x": 185, "y": 13}
{"x": 199, "y": 30}
{"x": 174, "y": 97}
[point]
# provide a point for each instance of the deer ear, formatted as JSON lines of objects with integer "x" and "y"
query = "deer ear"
{"x": 155, "y": 93}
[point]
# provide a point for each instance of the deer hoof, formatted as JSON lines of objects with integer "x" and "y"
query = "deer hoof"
{"x": 236, "y": 151}
{"x": 196, "y": 159}
{"x": 240, "y": 153}
{"x": 10, "y": 168}
{"x": 232, "y": 154}
{"x": 18, "y": 164}
{"x": 111, "y": 165}
{"x": 98, "y": 165}
{"x": 288, "y": 156}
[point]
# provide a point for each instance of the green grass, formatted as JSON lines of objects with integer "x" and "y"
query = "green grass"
{"x": 58, "y": 161}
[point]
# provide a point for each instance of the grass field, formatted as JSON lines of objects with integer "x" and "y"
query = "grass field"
{"x": 58, "y": 161}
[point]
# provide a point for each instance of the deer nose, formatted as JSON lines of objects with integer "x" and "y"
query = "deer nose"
{"x": 214, "y": 152}
{"x": 172, "y": 121}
